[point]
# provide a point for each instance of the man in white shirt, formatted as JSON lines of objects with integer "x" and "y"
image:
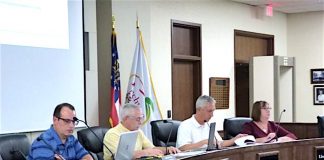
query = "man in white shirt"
{"x": 193, "y": 133}
{"x": 320, "y": 96}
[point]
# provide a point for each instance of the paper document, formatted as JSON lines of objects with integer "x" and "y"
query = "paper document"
{"x": 188, "y": 154}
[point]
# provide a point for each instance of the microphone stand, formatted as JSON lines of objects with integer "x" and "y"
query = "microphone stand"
{"x": 284, "y": 110}
{"x": 166, "y": 145}
{"x": 112, "y": 155}
{"x": 214, "y": 135}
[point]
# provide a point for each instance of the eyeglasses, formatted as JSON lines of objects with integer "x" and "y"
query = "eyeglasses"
{"x": 210, "y": 110}
{"x": 267, "y": 108}
{"x": 141, "y": 118}
{"x": 68, "y": 121}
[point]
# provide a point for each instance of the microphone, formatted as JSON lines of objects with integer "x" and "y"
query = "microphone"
{"x": 19, "y": 151}
{"x": 214, "y": 135}
{"x": 112, "y": 155}
{"x": 40, "y": 138}
{"x": 284, "y": 110}
{"x": 167, "y": 142}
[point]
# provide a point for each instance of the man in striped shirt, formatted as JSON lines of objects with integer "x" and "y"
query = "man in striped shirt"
{"x": 58, "y": 142}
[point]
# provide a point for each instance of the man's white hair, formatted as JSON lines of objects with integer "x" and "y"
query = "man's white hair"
{"x": 203, "y": 100}
{"x": 127, "y": 109}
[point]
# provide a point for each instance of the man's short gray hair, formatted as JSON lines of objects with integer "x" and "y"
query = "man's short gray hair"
{"x": 203, "y": 100}
{"x": 127, "y": 109}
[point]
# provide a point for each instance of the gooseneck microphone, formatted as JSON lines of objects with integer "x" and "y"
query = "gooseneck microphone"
{"x": 112, "y": 154}
{"x": 284, "y": 110}
{"x": 40, "y": 138}
{"x": 214, "y": 134}
{"x": 167, "y": 142}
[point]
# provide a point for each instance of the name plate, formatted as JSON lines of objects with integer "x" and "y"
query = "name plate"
{"x": 319, "y": 153}
{"x": 273, "y": 155}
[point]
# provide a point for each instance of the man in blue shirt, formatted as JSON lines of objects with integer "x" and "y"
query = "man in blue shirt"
{"x": 58, "y": 143}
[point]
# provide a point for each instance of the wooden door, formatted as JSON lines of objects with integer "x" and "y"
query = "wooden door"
{"x": 186, "y": 68}
{"x": 246, "y": 46}
{"x": 242, "y": 89}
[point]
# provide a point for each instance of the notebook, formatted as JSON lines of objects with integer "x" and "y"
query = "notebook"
{"x": 126, "y": 145}
{"x": 211, "y": 138}
{"x": 243, "y": 141}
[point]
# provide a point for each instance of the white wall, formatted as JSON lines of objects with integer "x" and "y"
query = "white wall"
{"x": 263, "y": 73}
{"x": 286, "y": 94}
{"x": 301, "y": 34}
{"x": 218, "y": 20}
{"x": 306, "y": 43}
{"x": 91, "y": 75}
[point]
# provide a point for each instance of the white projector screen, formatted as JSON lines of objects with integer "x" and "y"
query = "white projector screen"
{"x": 41, "y": 62}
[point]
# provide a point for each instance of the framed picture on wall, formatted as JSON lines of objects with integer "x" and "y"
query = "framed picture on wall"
{"x": 318, "y": 94}
{"x": 317, "y": 75}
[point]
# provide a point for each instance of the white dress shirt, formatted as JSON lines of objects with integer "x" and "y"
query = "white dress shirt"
{"x": 190, "y": 131}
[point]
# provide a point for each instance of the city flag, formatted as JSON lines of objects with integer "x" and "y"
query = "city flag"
{"x": 140, "y": 89}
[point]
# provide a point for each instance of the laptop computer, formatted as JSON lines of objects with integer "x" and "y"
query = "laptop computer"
{"x": 126, "y": 145}
{"x": 211, "y": 138}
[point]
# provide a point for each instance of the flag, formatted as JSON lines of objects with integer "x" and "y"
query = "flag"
{"x": 115, "y": 83}
{"x": 140, "y": 89}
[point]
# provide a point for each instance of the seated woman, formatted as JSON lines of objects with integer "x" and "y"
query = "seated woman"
{"x": 264, "y": 130}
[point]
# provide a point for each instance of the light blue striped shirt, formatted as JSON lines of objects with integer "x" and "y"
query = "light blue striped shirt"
{"x": 48, "y": 144}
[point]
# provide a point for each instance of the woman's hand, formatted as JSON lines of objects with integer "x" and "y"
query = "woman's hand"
{"x": 269, "y": 137}
{"x": 285, "y": 139}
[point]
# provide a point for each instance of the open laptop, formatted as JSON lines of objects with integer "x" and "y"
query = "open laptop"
{"x": 211, "y": 138}
{"x": 126, "y": 145}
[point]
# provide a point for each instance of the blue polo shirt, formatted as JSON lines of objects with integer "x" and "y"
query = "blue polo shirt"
{"x": 49, "y": 144}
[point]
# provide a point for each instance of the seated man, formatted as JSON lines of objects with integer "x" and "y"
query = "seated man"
{"x": 131, "y": 119}
{"x": 193, "y": 133}
{"x": 58, "y": 142}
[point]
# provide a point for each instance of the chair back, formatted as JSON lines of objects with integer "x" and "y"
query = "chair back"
{"x": 90, "y": 142}
{"x": 14, "y": 147}
{"x": 233, "y": 126}
{"x": 161, "y": 130}
{"x": 320, "y": 124}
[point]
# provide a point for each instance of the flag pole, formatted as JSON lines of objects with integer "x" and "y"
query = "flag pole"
{"x": 113, "y": 29}
{"x": 137, "y": 23}
{"x": 113, "y": 22}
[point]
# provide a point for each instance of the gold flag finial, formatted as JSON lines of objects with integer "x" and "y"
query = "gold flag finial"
{"x": 113, "y": 22}
{"x": 137, "y": 23}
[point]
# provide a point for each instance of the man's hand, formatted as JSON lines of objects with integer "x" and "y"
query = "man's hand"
{"x": 149, "y": 152}
{"x": 87, "y": 157}
{"x": 153, "y": 152}
{"x": 173, "y": 150}
{"x": 239, "y": 136}
{"x": 58, "y": 157}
